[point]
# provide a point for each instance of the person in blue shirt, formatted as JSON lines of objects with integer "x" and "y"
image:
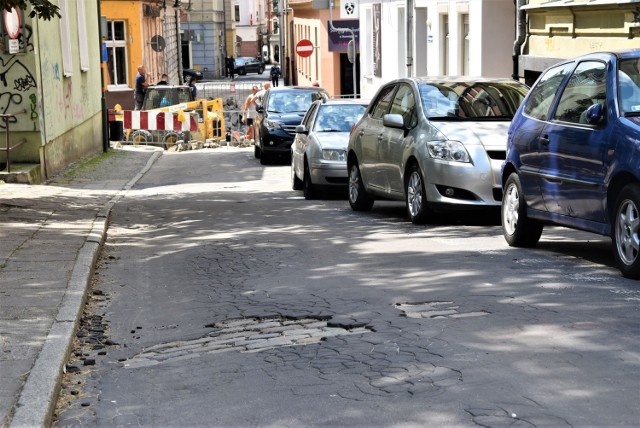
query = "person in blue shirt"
{"x": 140, "y": 87}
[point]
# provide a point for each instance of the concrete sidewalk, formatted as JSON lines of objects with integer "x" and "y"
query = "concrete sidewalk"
{"x": 50, "y": 237}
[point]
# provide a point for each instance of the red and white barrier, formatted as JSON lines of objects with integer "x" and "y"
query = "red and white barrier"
{"x": 158, "y": 121}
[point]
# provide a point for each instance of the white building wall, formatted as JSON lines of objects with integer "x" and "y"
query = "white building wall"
{"x": 490, "y": 39}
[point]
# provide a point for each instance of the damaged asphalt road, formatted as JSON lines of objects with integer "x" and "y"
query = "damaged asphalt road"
{"x": 223, "y": 298}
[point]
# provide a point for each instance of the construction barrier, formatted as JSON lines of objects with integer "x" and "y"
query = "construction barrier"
{"x": 159, "y": 121}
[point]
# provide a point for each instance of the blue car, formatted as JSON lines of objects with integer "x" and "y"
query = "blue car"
{"x": 573, "y": 155}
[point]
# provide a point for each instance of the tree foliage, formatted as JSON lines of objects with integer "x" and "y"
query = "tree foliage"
{"x": 43, "y": 9}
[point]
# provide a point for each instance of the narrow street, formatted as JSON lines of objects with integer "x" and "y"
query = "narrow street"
{"x": 224, "y": 298}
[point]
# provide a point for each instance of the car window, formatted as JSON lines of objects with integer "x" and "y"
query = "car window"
{"x": 292, "y": 102}
{"x": 338, "y": 118}
{"x": 308, "y": 118}
{"x": 404, "y": 104}
{"x": 586, "y": 86}
{"x": 629, "y": 86}
{"x": 382, "y": 102}
{"x": 544, "y": 91}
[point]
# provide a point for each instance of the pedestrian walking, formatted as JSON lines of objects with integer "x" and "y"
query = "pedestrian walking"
{"x": 275, "y": 74}
{"x": 231, "y": 67}
{"x": 140, "y": 87}
{"x": 249, "y": 113}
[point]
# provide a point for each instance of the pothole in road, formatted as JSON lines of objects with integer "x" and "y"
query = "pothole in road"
{"x": 248, "y": 335}
{"x": 436, "y": 310}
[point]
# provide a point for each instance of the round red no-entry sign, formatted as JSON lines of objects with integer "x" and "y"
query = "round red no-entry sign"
{"x": 304, "y": 48}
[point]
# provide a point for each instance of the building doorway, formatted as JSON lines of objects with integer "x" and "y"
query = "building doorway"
{"x": 346, "y": 76}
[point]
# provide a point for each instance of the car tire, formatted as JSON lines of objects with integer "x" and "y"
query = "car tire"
{"x": 257, "y": 152}
{"x": 518, "y": 229}
{"x": 140, "y": 136}
{"x": 296, "y": 183}
{"x": 308, "y": 188}
{"x": 264, "y": 158}
{"x": 625, "y": 231}
{"x": 242, "y": 71}
{"x": 359, "y": 199}
{"x": 416, "y": 195}
{"x": 261, "y": 70}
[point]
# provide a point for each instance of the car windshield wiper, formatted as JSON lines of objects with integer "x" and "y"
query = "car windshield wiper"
{"x": 331, "y": 130}
{"x": 632, "y": 114}
{"x": 274, "y": 111}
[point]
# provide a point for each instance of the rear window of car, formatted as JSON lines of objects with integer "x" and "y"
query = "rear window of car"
{"x": 471, "y": 100}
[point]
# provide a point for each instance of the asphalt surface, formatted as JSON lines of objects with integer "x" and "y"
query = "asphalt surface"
{"x": 50, "y": 236}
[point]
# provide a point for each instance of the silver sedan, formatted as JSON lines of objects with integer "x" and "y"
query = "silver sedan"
{"x": 436, "y": 143}
{"x": 318, "y": 152}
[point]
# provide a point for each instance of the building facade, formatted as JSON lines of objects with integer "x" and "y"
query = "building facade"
{"x": 555, "y": 30}
{"x": 52, "y": 82}
{"x": 203, "y": 37}
{"x": 140, "y": 33}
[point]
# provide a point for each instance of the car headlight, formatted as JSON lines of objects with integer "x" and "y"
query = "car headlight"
{"x": 448, "y": 150}
{"x": 334, "y": 155}
{"x": 272, "y": 124}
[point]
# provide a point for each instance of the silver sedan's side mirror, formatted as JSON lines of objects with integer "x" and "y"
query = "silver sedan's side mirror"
{"x": 301, "y": 129}
{"x": 393, "y": 121}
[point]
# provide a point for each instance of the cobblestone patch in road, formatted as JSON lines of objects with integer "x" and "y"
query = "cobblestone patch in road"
{"x": 436, "y": 310}
{"x": 246, "y": 335}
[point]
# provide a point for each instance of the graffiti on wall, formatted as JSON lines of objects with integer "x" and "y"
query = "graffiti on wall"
{"x": 17, "y": 83}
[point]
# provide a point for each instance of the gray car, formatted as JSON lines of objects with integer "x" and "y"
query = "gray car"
{"x": 436, "y": 143}
{"x": 319, "y": 150}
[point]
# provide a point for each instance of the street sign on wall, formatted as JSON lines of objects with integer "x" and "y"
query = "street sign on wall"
{"x": 304, "y": 48}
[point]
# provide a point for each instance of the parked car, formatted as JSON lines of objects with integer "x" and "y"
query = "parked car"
{"x": 188, "y": 74}
{"x": 436, "y": 143}
{"x": 282, "y": 110}
{"x": 247, "y": 64}
{"x": 319, "y": 149}
{"x": 574, "y": 155}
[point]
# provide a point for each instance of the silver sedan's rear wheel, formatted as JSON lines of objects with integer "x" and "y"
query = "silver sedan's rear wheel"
{"x": 359, "y": 199}
{"x": 416, "y": 196}
{"x": 517, "y": 228}
{"x": 625, "y": 231}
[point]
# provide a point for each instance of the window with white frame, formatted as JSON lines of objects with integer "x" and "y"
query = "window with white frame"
{"x": 444, "y": 45}
{"x": 67, "y": 62}
{"x": 116, "y": 44}
{"x": 464, "y": 42}
{"x": 82, "y": 37}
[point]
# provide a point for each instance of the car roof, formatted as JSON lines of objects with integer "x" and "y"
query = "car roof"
{"x": 344, "y": 101}
{"x": 297, "y": 88}
{"x": 457, "y": 79}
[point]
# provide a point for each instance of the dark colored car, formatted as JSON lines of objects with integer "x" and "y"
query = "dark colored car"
{"x": 437, "y": 143}
{"x": 282, "y": 110}
{"x": 188, "y": 74}
{"x": 573, "y": 155}
{"x": 246, "y": 65}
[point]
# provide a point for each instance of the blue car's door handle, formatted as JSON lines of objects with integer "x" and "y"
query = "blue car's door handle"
{"x": 544, "y": 140}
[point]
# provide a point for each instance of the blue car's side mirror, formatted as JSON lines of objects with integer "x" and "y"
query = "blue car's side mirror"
{"x": 595, "y": 114}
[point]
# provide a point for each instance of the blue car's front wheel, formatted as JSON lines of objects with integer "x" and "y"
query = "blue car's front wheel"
{"x": 625, "y": 231}
{"x": 517, "y": 228}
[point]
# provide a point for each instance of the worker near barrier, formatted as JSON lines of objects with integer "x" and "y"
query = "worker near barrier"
{"x": 249, "y": 112}
{"x": 259, "y": 97}
{"x": 192, "y": 87}
{"x": 140, "y": 87}
{"x": 164, "y": 80}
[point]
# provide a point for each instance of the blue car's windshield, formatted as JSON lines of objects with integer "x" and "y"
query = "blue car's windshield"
{"x": 471, "y": 100}
{"x": 629, "y": 87}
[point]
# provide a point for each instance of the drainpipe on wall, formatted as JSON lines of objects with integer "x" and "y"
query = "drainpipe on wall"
{"x": 410, "y": 9}
{"x": 521, "y": 22}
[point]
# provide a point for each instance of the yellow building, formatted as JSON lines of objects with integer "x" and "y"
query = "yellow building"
{"x": 140, "y": 33}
